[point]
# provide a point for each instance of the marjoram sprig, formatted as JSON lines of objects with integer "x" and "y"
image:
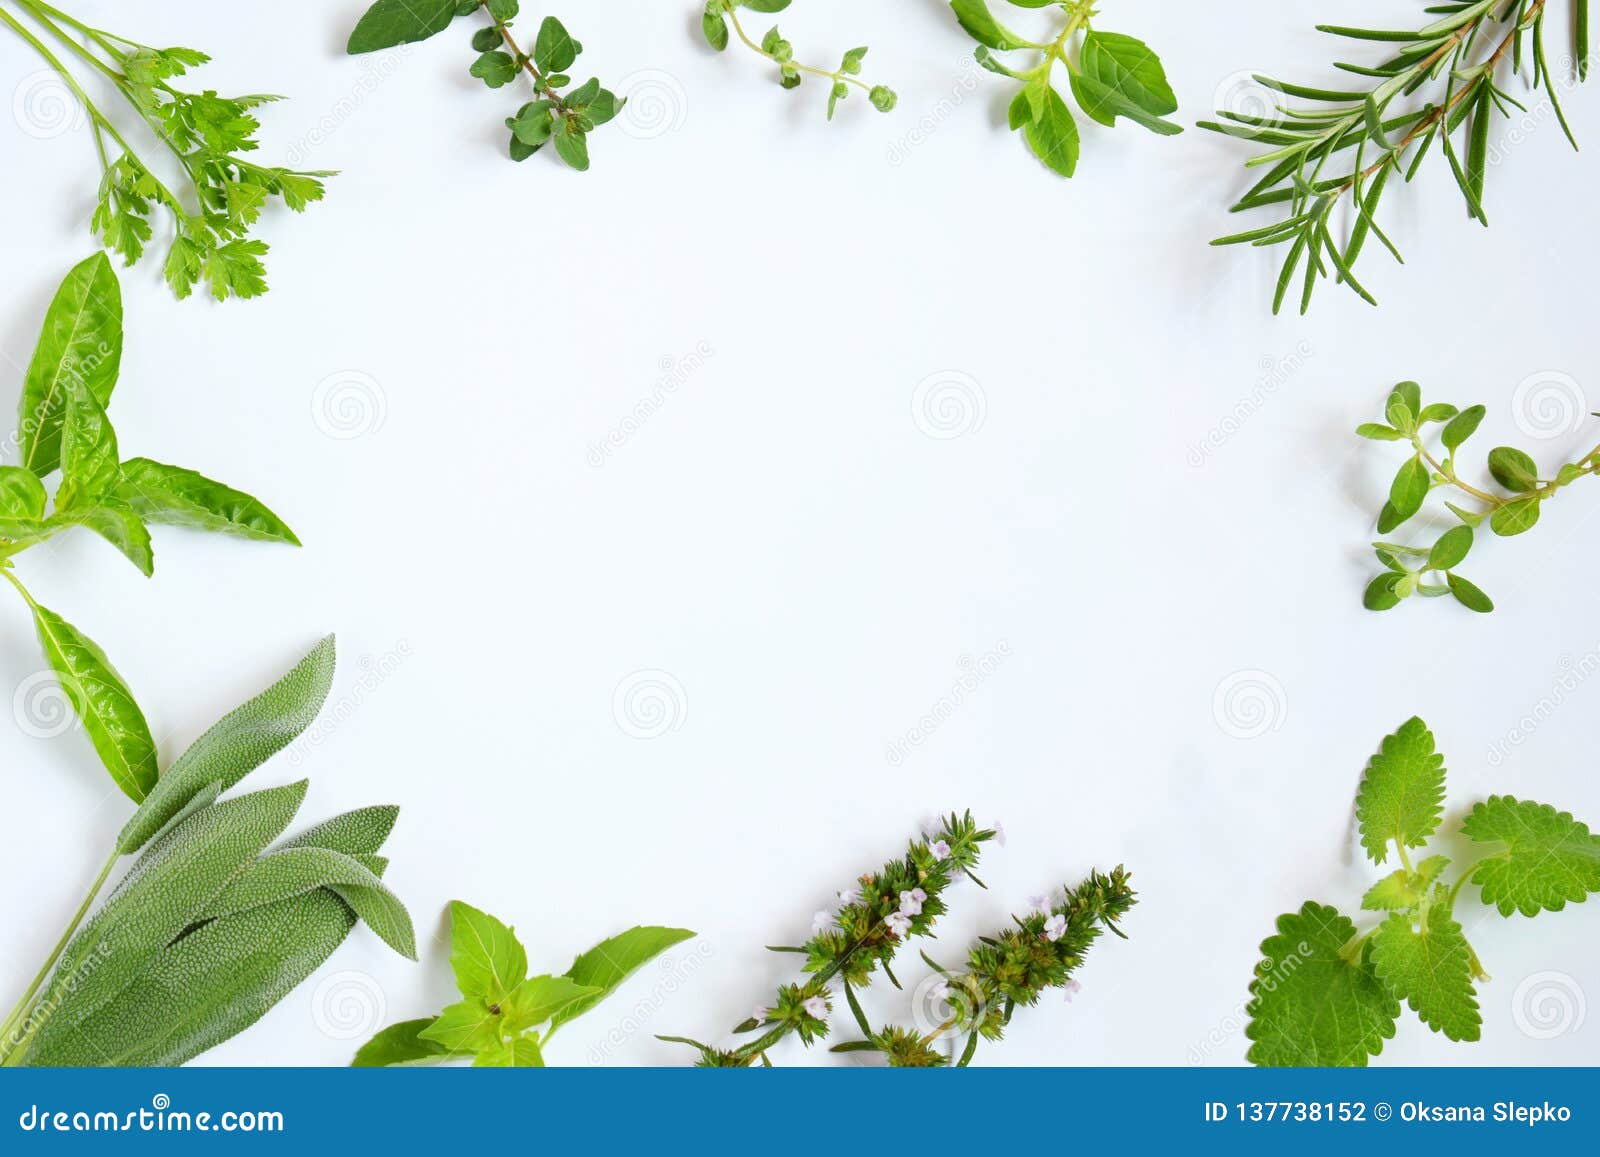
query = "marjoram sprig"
{"x": 1443, "y": 78}
{"x": 873, "y": 920}
{"x": 207, "y": 134}
{"x": 1512, "y": 513}
{"x": 720, "y": 15}
{"x": 554, "y": 117}
{"x": 1014, "y": 967}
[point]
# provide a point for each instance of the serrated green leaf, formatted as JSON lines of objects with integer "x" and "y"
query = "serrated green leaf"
{"x": 102, "y": 700}
{"x": 1431, "y": 970}
{"x": 1310, "y": 1005}
{"x": 539, "y": 998}
{"x": 1129, "y": 67}
{"x": 1402, "y": 890}
{"x": 1547, "y": 859}
{"x": 237, "y": 744}
{"x": 1402, "y": 793}
{"x": 173, "y": 496}
{"x": 80, "y": 344}
{"x": 605, "y": 966}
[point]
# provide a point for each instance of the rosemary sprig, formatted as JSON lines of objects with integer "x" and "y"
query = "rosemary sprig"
{"x": 874, "y": 920}
{"x": 1508, "y": 514}
{"x": 1452, "y": 66}
{"x": 1013, "y": 967}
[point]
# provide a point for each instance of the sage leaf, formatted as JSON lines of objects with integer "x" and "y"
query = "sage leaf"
{"x": 172, "y": 496}
{"x": 101, "y": 698}
{"x": 81, "y": 343}
{"x": 605, "y": 966}
{"x": 237, "y": 744}
{"x": 357, "y": 833}
{"x": 391, "y": 22}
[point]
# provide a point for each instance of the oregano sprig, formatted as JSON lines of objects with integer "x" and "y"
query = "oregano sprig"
{"x": 721, "y": 15}
{"x": 558, "y": 114}
{"x": 1109, "y": 75}
{"x": 1426, "y": 470}
{"x": 62, "y": 426}
{"x": 1327, "y": 993}
{"x": 1340, "y": 145}
{"x": 873, "y": 921}
{"x": 208, "y": 135}
{"x": 1012, "y": 968}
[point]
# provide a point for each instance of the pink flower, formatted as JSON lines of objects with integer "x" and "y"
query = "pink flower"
{"x": 1071, "y": 988}
{"x": 898, "y": 923}
{"x": 849, "y": 896}
{"x": 1040, "y": 904}
{"x": 816, "y": 1006}
{"x": 1000, "y": 834}
{"x": 1055, "y": 927}
{"x": 761, "y": 1013}
{"x": 911, "y": 902}
{"x": 821, "y": 920}
{"x": 940, "y": 850}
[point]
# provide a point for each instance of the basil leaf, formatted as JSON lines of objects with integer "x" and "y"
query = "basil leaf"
{"x": 81, "y": 342}
{"x": 237, "y": 744}
{"x": 22, "y": 495}
{"x": 391, "y": 22}
{"x": 1053, "y": 135}
{"x": 609, "y": 963}
{"x": 486, "y": 956}
{"x": 116, "y": 522}
{"x": 1127, "y": 66}
{"x": 102, "y": 700}
{"x": 399, "y": 1044}
{"x": 975, "y": 17}
{"x": 1105, "y": 104}
{"x": 173, "y": 496}
{"x": 89, "y": 460}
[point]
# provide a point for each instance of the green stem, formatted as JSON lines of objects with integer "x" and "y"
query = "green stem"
{"x": 733, "y": 19}
{"x": 10, "y": 1055}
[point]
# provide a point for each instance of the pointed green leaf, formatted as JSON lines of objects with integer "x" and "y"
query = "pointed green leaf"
{"x": 1130, "y": 68}
{"x": 1469, "y": 596}
{"x": 605, "y": 966}
{"x": 173, "y": 496}
{"x": 488, "y": 959}
{"x": 400, "y": 1044}
{"x": 391, "y": 22}
{"x": 1053, "y": 134}
{"x": 80, "y": 343}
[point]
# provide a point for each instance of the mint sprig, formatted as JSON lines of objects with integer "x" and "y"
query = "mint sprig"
{"x": 1109, "y": 75}
{"x": 1326, "y": 993}
{"x": 1430, "y": 469}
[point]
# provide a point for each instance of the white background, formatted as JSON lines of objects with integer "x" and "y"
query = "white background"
{"x": 1162, "y": 493}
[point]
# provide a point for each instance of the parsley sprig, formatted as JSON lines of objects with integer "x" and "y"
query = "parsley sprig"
{"x": 1326, "y": 993}
{"x": 874, "y": 920}
{"x": 559, "y": 116}
{"x": 1011, "y": 968}
{"x": 720, "y": 15}
{"x": 206, "y": 133}
{"x": 1109, "y": 75}
{"x": 1512, "y": 513}
{"x": 1453, "y": 66}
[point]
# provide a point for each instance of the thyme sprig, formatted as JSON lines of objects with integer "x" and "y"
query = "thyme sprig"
{"x": 874, "y": 920}
{"x": 721, "y": 15}
{"x": 1426, "y": 470}
{"x": 1011, "y": 968}
{"x": 1453, "y": 66}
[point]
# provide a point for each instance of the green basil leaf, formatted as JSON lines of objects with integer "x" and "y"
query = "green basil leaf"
{"x": 391, "y": 22}
{"x": 1104, "y": 104}
{"x": 486, "y": 956}
{"x": 116, "y": 522}
{"x": 609, "y": 963}
{"x": 980, "y": 24}
{"x": 1128, "y": 67}
{"x": 89, "y": 461}
{"x": 81, "y": 343}
{"x": 237, "y": 744}
{"x": 1053, "y": 136}
{"x": 102, "y": 700}
{"x": 400, "y": 1044}
{"x": 22, "y": 495}
{"x": 539, "y": 998}
{"x": 173, "y": 496}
